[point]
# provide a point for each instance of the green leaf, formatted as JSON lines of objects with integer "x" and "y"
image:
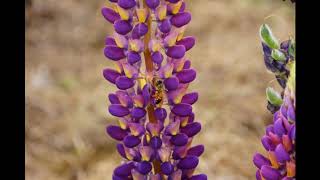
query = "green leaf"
{"x": 267, "y": 37}
{"x": 273, "y": 97}
{"x": 292, "y": 48}
{"x": 278, "y": 55}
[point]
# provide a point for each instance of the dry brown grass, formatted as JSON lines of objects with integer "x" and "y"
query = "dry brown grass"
{"x": 66, "y": 95}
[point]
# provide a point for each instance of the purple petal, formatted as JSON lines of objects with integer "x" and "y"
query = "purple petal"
{"x": 176, "y": 51}
{"x": 121, "y": 150}
{"x": 259, "y": 160}
{"x": 131, "y": 141}
{"x": 171, "y": 83}
{"x": 114, "y": 53}
{"x": 181, "y": 19}
{"x": 109, "y": 41}
{"x": 124, "y": 170}
{"x": 189, "y": 162}
{"x": 173, "y": 1}
{"x": 292, "y": 132}
{"x": 160, "y": 114}
{"x": 191, "y": 129}
{"x": 167, "y": 168}
{"x": 179, "y": 140}
{"x": 291, "y": 113}
{"x": 146, "y": 94}
{"x": 267, "y": 143}
{"x": 118, "y": 110}
{"x": 164, "y": 26}
{"x": 196, "y": 150}
{"x": 155, "y": 128}
{"x": 124, "y": 82}
{"x": 113, "y": 98}
{"x": 279, "y": 128}
{"x": 157, "y": 57}
{"x": 136, "y": 129}
{"x": 138, "y": 112}
{"x": 258, "y": 176}
{"x": 116, "y": 132}
{"x": 144, "y": 167}
{"x": 183, "y": 7}
{"x": 152, "y": 3}
{"x": 126, "y": 4}
{"x": 176, "y": 175}
{"x": 269, "y": 173}
{"x": 199, "y": 177}
{"x": 155, "y": 142}
{"x": 139, "y": 30}
{"x": 186, "y": 75}
{"x": 190, "y": 98}
{"x": 269, "y": 129}
{"x": 188, "y": 42}
{"x": 187, "y": 64}
{"x": 133, "y": 57}
{"x": 182, "y": 109}
{"x": 122, "y": 27}
{"x": 281, "y": 154}
{"x": 115, "y": 177}
{"x": 110, "y": 15}
{"x": 111, "y": 75}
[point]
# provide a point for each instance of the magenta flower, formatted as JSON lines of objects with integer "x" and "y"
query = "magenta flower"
{"x": 156, "y": 122}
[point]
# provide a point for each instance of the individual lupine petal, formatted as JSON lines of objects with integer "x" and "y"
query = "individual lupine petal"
{"x": 269, "y": 129}
{"x": 283, "y": 110}
{"x": 138, "y": 100}
{"x": 139, "y": 30}
{"x": 116, "y": 132}
{"x": 180, "y": 19}
{"x": 154, "y": 45}
{"x": 189, "y": 162}
{"x": 171, "y": 83}
{"x": 178, "y": 64}
{"x": 155, "y": 177}
{"x": 114, "y": 53}
{"x": 146, "y": 153}
{"x": 196, "y": 150}
{"x": 131, "y": 141}
{"x": 173, "y": 128}
{"x": 157, "y": 57}
{"x": 267, "y": 143}
{"x": 130, "y": 71}
{"x": 123, "y": 123}
{"x": 110, "y": 75}
{"x": 124, "y": 82}
{"x": 175, "y": 175}
{"x": 138, "y": 112}
{"x": 160, "y": 114}
{"x": 287, "y": 143}
{"x": 136, "y": 129}
{"x": 291, "y": 113}
{"x": 124, "y": 170}
{"x": 144, "y": 167}
{"x": 259, "y": 160}
{"x": 124, "y": 98}
{"x": 199, "y": 177}
{"x": 164, "y": 154}
{"x": 121, "y": 150}
{"x": 155, "y": 142}
{"x": 291, "y": 169}
{"x": 274, "y": 138}
{"x": 258, "y": 175}
{"x": 273, "y": 159}
{"x": 146, "y": 94}
{"x": 279, "y": 128}
{"x": 281, "y": 154}
{"x": 137, "y": 176}
{"x": 167, "y": 168}
{"x": 121, "y": 41}
{"x": 166, "y": 71}
{"x": 164, "y": 26}
{"x": 180, "y": 139}
{"x": 191, "y": 129}
{"x": 176, "y": 51}
{"x": 118, "y": 110}
{"x": 292, "y": 132}
{"x": 122, "y": 27}
{"x": 269, "y": 173}
{"x": 191, "y": 118}
{"x": 142, "y": 14}
{"x": 133, "y": 57}
{"x": 170, "y": 40}
{"x": 183, "y": 7}
{"x": 188, "y": 42}
{"x": 110, "y": 41}
{"x": 190, "y": 98}
{"x": 187, "y": 64}
{"x": 182, "y": 109}
{"x": 124, "y": 14}
{"x": 186, "y": 75}
{"x": 126, "y": 4}
{"x": 113, "y": 98}
{"x": 118, "y": 66}
{"x": 155, "y": 128}
{"x": 179, "y": 152}
{"x": 153, "y": 4}
{"x": 161, "y": 12}
{"x": 110, "y": 15}
{"x": 136, "y": 45}
{"x": 175, "y": 7}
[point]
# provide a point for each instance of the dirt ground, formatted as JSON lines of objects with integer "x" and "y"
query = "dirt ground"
{"x": 66, "y": 94}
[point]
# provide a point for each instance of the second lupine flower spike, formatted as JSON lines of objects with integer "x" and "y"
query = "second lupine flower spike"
{"x": 156, "y": 123}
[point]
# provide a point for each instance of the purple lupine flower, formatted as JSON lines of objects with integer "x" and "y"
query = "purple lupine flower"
{"x": 156, "y": 123}
{"x": 279, "y": 163}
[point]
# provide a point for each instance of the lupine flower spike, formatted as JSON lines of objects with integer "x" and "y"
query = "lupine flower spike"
{"x": 156, "y": 123}
{"x": 279, "y": 139}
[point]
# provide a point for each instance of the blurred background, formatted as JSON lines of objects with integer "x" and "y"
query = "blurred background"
{"x": 66, "y": 94}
